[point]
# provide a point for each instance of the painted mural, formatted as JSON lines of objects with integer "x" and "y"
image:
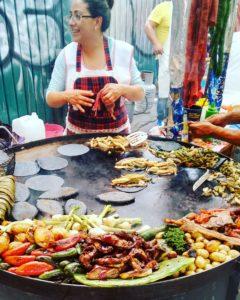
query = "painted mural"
{"x": 32, "y": 32}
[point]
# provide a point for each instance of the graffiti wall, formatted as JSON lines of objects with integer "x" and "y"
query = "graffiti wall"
{"x": 32, "y": 32}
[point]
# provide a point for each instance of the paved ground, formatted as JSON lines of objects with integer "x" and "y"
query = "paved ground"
{"x": 145, "y": 121}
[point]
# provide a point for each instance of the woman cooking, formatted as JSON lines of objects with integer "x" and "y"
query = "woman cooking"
{"x": 94, "y": 74}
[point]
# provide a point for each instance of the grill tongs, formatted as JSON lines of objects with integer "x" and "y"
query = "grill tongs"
{"x": 208, "y": 173}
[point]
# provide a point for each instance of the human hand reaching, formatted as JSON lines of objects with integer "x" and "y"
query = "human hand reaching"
{"x": 111, "y": 93}
{"x": 79, "y": 99}
{"x": 200, "y": 129}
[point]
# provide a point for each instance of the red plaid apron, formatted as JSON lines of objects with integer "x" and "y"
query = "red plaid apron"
{"x": 102, "y": 120}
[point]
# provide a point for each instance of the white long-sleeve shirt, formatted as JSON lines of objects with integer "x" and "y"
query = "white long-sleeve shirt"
{"x": 58, "y": 78}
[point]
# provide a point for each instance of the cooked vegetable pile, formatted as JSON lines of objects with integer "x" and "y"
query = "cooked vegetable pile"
{"x": 223, "y": 224}
{"x": 5, "y": 160}
{"x": 107, "y": 250}
{"x": 175, "y": 238}
{"x": 110, "y": 143}
{"x": 52, "y": 250}
{"x": 227, "y": 183}
{"x": 152, "y": 167}
{"x": 37, "y": 249}
{"x": 131, "y": 180}
{"x": 132, "y": 163}
{"x": 7, "y": 195}
{"x": 189, "y": 157}
{"x": 162, "y": 168}
{"x": 207, "y": 253}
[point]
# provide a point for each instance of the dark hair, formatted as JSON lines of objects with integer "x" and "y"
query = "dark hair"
{"x": 101, "y": 8}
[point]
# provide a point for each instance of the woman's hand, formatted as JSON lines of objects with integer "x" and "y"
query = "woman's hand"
{"x": 80, "y": 98}
{"x": 200, "y": 129}
{"x": 218, "y": 120}
{"x": 111, "y": 93}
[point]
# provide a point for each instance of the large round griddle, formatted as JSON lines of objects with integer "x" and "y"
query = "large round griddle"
{"x": 169, "y": 196}
{"x": 91, "y": 174}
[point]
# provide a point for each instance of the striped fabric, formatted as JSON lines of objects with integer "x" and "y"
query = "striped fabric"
{"x": 107, "y": 56}
{"x": 78, "y": 58}
{"x": 102, "y": 120}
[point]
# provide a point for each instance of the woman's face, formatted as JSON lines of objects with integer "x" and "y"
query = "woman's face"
{"x": 81, "y": 24}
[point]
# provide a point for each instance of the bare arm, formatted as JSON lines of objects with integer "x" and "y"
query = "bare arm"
{"x": 57, "y": 95}
{"x": 57, "y": 99}
{"x": 150, "y": 30}
{"x": 234, "y": 117}
{"x": 132, "y": 93}
{"x": 228, "y": 135}
{"x": 225, "y": 119}
{"x": 201, "y": 129}
{"x": 78, "y": 98}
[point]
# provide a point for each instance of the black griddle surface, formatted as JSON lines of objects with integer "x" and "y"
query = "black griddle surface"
{"x": 168, "y": 196}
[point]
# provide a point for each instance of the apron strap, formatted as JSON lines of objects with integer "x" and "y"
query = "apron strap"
{"x": 107, "y": 56}
{"x": 79, "y": 58}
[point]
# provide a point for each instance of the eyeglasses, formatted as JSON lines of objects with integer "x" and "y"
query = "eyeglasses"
{"x": 77, "y": 16}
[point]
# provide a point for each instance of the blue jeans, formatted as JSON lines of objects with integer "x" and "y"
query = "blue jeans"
{"x": 162, "y": 110}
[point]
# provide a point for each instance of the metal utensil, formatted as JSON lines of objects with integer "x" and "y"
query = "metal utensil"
{"x": 208, "y": 173}
{"x": 137, "y": 138}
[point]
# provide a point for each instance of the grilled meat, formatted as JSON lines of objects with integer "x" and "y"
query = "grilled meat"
{"x": 87, "y": 256}
{"x": 113, "y": 240}
{"x": 119, "y": 255}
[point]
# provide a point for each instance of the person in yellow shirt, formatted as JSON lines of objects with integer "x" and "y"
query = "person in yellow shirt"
{"x": 158, "y": 31}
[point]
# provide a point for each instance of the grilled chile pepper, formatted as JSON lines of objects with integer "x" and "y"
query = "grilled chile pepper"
{"x": 33, "y": 268}
{"x": 41, "y": 252}
{"x": 150, "y": 234}
{"x": 31, "y": 248}
{"x": 19, "y": 260}
{"x": 73, "y": 268}
{"x": 67, "y": 243}
{"x": 64, "y": 263}
{"x": 46, "y": 259}
{"x": 65, "y": 254}
{"x": 51, "y": 274}
{"x": 20, "y": 250}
